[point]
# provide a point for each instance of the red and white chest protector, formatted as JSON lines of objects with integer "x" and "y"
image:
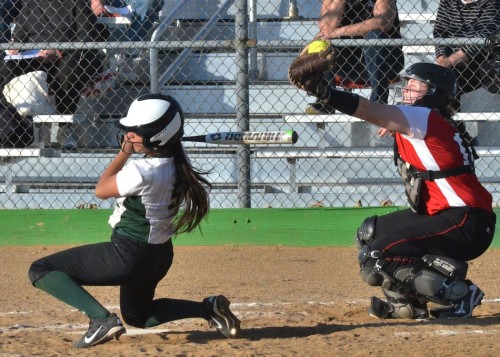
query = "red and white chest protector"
{"x": 436, "y": 145}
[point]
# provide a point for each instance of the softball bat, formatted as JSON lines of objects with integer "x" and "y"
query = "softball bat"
{"x": 246, "y": 137}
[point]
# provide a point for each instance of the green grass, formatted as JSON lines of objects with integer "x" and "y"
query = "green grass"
{"x": 267, "y": 226}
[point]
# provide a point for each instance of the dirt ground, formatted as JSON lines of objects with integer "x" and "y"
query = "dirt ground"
{"x": 291, "y": 301}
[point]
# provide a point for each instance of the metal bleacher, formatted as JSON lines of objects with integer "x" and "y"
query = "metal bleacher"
{"x": 287, "y": 176}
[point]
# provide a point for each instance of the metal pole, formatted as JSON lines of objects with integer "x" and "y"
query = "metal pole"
{"x": 252, "y": 34}
{"x": 242, "y": 101}
{"x": 293, "y": 12}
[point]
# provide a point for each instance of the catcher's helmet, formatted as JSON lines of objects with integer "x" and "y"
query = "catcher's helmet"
{"x": 157, "y": 118}
{"x": 441, "y": 82}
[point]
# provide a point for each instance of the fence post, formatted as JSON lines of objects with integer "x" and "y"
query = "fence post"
{"x": 242, "y": 101}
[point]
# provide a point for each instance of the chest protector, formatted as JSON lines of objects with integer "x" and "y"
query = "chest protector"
{"x": 413, "y": 177}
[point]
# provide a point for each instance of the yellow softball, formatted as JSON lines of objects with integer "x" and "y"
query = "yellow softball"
{"x": 317, "y": 46}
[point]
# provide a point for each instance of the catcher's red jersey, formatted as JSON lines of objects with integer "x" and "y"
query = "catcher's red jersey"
{"x": 436, "y": 145}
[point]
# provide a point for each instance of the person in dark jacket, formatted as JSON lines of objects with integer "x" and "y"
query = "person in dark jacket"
{"x": 467, "y": 19}
{"x": 69, "y": 70}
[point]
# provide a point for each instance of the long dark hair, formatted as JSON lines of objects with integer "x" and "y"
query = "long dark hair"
{"x": 190, "y": 190}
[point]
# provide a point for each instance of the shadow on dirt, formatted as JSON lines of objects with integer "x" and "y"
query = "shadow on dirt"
{"x": 284, "y": 332}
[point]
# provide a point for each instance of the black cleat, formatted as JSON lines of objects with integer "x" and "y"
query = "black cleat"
{"x": 221, "y": 317}
{"x": 462, "y": 308}
{"x": 101, "y": 331}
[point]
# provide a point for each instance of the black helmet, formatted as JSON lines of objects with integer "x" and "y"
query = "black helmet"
{"x": 157, "y": 118}
{"x": 441, "y": 82}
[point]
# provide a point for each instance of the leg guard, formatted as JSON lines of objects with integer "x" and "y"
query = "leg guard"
{"x": 398, "y": 306}
{"x": 366, "y": 232}
{"x": 442, "y": 281}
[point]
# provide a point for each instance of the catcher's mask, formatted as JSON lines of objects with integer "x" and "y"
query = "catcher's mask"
{"x": 440, "y": 80}
{"x": 157, "y": 118}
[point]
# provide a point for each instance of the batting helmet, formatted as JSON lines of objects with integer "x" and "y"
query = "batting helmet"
{"x": 157, "y": 118}
{"x": 441, "y": 82}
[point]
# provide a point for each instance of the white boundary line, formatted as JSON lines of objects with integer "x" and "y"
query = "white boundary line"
{"x": 249, "y": 305}
{"x": 79, "y": 328}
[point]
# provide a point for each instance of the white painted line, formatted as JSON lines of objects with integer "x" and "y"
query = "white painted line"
{"x": 249, "y": 305}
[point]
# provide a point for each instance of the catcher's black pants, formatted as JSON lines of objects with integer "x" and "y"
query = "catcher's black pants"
{"x": 461, "y": 233}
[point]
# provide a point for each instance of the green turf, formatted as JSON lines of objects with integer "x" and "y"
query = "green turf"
{"x": 267, "y": 226}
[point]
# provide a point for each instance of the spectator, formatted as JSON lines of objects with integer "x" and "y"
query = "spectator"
{"x": 15, "y": 131}
{"x": 69, "y": 71}
{"x": 142, "y": 14}
{"x": 466, "y": 19}
{"x": 360, "y": 19}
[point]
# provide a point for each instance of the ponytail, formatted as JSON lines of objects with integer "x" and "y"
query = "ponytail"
{"x": 190, "y": 191}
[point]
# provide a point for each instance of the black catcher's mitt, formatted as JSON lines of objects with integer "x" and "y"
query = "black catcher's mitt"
{"x": 307, "y": 70}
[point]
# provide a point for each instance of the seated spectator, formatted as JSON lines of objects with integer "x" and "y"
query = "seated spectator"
{"x": 69, "y": 71}
{"x": 15, "y": 131}
{"x": 466, "y": 19}
{"x": 142, "y": 14}
{"x": 374, "y": 65}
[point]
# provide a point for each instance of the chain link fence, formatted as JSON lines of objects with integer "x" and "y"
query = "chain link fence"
{"x": 226, "y": 63}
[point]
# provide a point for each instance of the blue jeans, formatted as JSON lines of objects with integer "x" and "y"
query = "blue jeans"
{"x": 376, "y": 65}
{"x": 140, "y": 25}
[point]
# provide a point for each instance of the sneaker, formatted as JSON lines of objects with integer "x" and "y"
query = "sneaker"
{"x": 381, "y": 309}
{"x": 220, "y": 317}
{"x": 101, "y": 331}
{"x": 462, "y": 308}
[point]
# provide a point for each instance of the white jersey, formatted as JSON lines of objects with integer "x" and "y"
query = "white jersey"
{"x": 146, "y": 210}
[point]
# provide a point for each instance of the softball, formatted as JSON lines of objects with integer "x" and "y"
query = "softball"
{"x": 317, "y": 46}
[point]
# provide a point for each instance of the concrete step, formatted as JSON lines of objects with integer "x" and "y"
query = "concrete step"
{"x": 261, "y": 197}
{"x": 267, "y": 98}
{"x": 312, "y": 169}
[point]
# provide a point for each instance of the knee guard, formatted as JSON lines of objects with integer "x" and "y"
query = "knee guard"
{"x": 432, "y": 284}
{"x": 366, "y": 232}
{"x": 372, "y": 273}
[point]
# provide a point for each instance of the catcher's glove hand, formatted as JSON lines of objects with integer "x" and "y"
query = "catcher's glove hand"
{"x": 307, "y": 70}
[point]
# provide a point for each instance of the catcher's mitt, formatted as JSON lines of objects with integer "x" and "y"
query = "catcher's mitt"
{"x": 307, "y": 70}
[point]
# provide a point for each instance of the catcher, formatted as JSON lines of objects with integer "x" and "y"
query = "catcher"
{"x": 417, "y": 255}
